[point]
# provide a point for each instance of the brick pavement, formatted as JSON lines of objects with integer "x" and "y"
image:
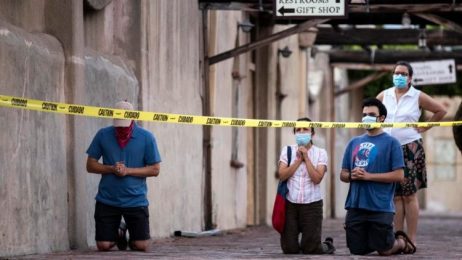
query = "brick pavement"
{"x": 440, "y": 237}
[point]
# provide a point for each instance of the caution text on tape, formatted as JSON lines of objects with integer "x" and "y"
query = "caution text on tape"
{"x": 102, "y": 112}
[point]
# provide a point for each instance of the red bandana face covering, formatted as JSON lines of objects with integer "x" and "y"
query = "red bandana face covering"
{"x": 123, "y": 134}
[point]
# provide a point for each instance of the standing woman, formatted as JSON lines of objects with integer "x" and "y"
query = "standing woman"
{"x": 404, "y": 104}
{"x": 304, "y": 203}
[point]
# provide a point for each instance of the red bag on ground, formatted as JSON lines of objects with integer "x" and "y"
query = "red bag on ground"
{"x": 279, "y": 209}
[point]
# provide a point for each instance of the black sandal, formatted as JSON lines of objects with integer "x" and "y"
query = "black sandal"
{"x": 330, "y": 248}
{"x": 122, "y": 236}
{"x": 409, "y": 247}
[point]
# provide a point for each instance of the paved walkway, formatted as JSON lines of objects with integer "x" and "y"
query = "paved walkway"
{"x": 440, "y": 237}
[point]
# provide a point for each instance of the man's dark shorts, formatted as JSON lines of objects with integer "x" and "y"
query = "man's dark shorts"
{"x": 107, "y": 220}
{"x": 369, "y": 231}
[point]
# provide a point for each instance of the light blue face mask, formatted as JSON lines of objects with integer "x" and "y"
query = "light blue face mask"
{"x": 400, "y": 81}
{"x": 368, "y": 120}
{"x": 302, "y": 139}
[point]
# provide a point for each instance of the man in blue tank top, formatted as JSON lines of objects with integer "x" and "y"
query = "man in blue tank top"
{"x": 130, "y": 155}
{"x": 372, "y": 164}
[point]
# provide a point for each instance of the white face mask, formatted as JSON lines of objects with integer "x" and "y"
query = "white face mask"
{"x": 368, "y": 120}
{"x": 302, "y": 139}
{"x": 400, "y": 81}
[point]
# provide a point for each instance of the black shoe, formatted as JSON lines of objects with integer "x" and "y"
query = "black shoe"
{"x": 131, "y": 245}
{"x": 122, "y": 236}
{"x": 329, "y": 246}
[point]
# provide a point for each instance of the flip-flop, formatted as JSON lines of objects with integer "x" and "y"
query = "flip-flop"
{"x": 409, "y": 248}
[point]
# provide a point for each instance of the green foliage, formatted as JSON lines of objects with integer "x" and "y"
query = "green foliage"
{"x": 375, "y": 87}
{"x": 454, "y": 89}
{"x": 400, "y": 47}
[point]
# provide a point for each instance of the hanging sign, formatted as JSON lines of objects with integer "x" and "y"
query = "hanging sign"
{"x": 303, "y": 9}
{"x": 434, "y": 72}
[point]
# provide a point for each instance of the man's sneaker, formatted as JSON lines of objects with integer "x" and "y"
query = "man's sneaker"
{"x": 122, "y": 236}
{"x": 328, "y": 246}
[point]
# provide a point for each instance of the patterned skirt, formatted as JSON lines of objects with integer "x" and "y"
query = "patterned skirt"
{"x": 415, "y": 171}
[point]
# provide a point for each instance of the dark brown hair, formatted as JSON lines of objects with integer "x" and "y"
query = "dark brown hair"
{"x": 307, "y": 120}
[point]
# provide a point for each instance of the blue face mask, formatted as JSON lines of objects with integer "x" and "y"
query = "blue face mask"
{"x": 399, "y": 81}
{"x": 368, "y": 120}
{"x": 302, "y": 139}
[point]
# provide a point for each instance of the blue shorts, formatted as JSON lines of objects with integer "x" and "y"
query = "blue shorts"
{"x": 369, "y": 231}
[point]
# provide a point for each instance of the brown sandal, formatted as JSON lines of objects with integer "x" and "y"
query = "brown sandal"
{"x": 409, "y": 247}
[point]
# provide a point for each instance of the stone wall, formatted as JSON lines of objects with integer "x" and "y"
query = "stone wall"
{"x": 107, "y": 78}
{"x": 444, "y": 164}
{"x": 148, "y": 52}
{"x": 171, "y": 83}
{"x": 33, "y": 176}
{"x": 229, "y": 185}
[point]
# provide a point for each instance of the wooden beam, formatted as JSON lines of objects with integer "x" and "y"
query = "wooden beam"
{"x": 233, "y": 6}
{"x": 391, "y": 18}
{"x": 376, "y": 67}
{"x": 373, "y": 13}
{"x": 363, "y": 66}
{"x": 390, "y": 2}
{"x": 366, "y": 36}
{"x": 441, "y": 21}
{"x": 206, "y": 130}
{"x": 401, "y": 8}
{"x": 361, "y": 83}
{"x": 262, "y": 110}
{"x": 266, "y": 41}
{"x": 373, "y": 6}
{"x": 391, "y": 56}
{"x": 332, "y": 139}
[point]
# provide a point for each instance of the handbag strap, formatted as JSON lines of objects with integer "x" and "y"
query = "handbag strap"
{"x": 289, "y": 155}
{"x": 282, "y": 186}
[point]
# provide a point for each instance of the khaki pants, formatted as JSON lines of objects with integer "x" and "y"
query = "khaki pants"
{"x": 305, "y": 219}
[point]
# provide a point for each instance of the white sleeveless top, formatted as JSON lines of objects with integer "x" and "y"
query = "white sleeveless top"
{"x": 406, "y": 110}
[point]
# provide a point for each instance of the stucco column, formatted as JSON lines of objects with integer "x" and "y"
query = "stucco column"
{"x": 64, "y": 20}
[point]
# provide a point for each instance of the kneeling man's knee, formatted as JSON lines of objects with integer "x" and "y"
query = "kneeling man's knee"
{"x": 104, "y": 245}
{"x": 139, "y": 245}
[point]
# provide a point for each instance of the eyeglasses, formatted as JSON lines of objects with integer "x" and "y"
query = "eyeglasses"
{"x": 401, "y": 73}
{"x": 370, "y": 114}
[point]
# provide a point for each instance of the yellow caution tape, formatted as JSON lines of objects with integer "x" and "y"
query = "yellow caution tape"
{"x": 101, "y": 112}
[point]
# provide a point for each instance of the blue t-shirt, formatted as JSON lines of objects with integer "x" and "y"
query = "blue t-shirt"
{"x": 376, "y": 154}
{"x": 141, "y": 150}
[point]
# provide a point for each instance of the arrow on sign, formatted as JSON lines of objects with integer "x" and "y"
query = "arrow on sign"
{"x": 283, "y": 10}
{"x": 450, "y": 69}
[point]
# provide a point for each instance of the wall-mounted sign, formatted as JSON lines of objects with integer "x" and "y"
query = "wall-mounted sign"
{"x": 304, "y": 9}
{"x": 434, "y": 72}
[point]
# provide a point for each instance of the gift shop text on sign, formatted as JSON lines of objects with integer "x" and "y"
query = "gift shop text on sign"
{"x": 290, "y": 9}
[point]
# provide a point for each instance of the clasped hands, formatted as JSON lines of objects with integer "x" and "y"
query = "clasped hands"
{"x": 359, "y": 174}
{"x": 120, "y": 169}
{"x": 302, "y": 153}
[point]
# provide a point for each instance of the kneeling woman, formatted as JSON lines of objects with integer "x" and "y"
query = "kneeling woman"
{"x": 304, "y": 204}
